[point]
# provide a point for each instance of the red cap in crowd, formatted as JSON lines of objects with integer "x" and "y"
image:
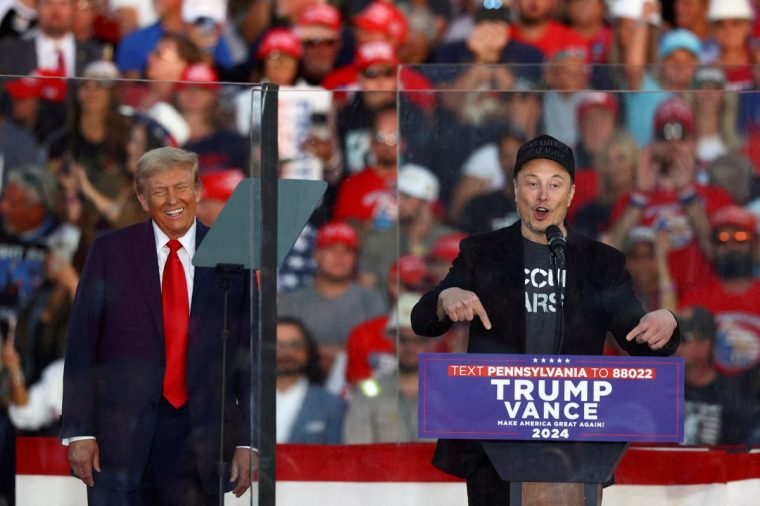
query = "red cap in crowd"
{"x": 409, "y": 270}
{"x": 734, "y": 216}
{"x": 219, "y": 185}
{"x": 673, "y": 119}
{"x": 337, "y": 232}
{"x": 24, "y": 87}
{"x": 320, "y": 15}
{"x": 596, "y": 99}
{"x": 199, "y": 75}
{"x": 446, "y": 247}
{"x": 385, "y": 18}
{"x": 281, "y": 40}
{"x": 376, "y": 52}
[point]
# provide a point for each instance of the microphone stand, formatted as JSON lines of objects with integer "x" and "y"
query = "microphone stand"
{"x": 558, "y": 265}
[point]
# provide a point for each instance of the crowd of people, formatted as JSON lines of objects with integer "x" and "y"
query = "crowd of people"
{"x": 412, "y": 112}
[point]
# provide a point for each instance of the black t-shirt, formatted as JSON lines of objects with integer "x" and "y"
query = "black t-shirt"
{"x": 540, "y": 298}
{"x": 719, "y": 413}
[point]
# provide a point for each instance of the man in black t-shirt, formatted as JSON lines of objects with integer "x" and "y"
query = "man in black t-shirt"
{"x": 717, "y": 408}
{"x": 500, "y": 283}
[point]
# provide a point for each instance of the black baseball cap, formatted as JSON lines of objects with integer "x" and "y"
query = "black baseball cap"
{"x": 548, "y": 148}
{"x": 697, "y": 323}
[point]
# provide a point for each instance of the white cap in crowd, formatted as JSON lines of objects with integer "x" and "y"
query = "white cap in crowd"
{"x": 193, "y": 10}
{"x": 417, "y": 181}
{"x": 729, "y": 9}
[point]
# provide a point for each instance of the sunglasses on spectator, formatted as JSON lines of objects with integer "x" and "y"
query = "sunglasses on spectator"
{"x": 740, "y": 236}
{"x": 319, "y": 42}
{"x": 373, "y": 72}
{"x": 387, "y": 138}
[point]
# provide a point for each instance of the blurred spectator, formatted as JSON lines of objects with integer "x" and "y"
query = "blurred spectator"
{"x": 669, "y": 197}
{"x": 716, "y": 407}
{"x": 279, "y": 56}
{"x": 18, "y": 146}
{"x": 132, "y": 14}
{"x": 298, "y": 106}
{"x": 384, "y": 410}
{"x": 319, "y": 29}
{"x": 371, "y": 345}
{"x": 421, "y": 39}
{"x": 646, "y": 253}
{"x": 28, "y": 210}
{"x": 380, "y": 20}
{"x": 333, "y": 303}
{"x": 85, "y": 12}
{"x": 94, "y": 142}
{"x": 198, "y": 20}
{"x": 197, "y": 100}
{"x": 495, "y": 209}
{"x": 734, "y": 296}
{"x": 536, "y": 25}
{"x": 586, "y": 17}
{"x": 368, "y": 198}
{"x": 679, "y": 53}
{"x": 217, "y": 187}
{"x": 418, "y": 226}
{"x": 731, "y": 22}
{"x": 166, "y": 62}
{"x": 566, "y": 75}
{"x": 124, "y": 209}
{"x": 692, "y": 15}
{"x": 306, "y": 412}
{"x": 616, "y": 168}
{"x": 53, "y": 47}
{"x": 626, "y": 17}
{"x": 714, "y": 114}
{"x": 597, "y": 122}
{"x": 736, "y": 174}
{"x": 490, "y": 42}
{"x": 17, "y": 17}
{"x": 443, "y": 253}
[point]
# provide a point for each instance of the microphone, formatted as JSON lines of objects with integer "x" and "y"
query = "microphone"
{"x": 557, "y": 243}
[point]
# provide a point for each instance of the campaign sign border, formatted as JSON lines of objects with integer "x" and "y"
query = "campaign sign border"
{"x": 458, "y": 399}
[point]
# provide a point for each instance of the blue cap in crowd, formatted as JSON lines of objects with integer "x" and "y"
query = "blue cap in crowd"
{"x": 679, "y": 39}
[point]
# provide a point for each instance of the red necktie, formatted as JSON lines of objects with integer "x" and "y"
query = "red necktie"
{"x": 176, "y": 319}
{"x": 60, "y": 63}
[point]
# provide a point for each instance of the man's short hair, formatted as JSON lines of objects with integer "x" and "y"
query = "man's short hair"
{"x": 165, "y": 158}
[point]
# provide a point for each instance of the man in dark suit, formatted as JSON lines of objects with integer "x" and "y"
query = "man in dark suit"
{"x": 143, "y": 360}
{"x": 52, "y": 46}
{"x": 503, "y": 283}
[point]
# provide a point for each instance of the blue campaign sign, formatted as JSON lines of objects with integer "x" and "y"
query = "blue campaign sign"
{"x": 551, "y": 397}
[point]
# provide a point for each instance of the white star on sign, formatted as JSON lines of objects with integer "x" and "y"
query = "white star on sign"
{"x": 535, "y": 360}
{"x": 543, "y": 360}
{"x": 567, "y": 360}
{"x": 551, "y": 360}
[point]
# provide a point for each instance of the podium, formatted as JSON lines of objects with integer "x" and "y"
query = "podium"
{"x": 554, "y": 473}
{"x": 554, "y": 427}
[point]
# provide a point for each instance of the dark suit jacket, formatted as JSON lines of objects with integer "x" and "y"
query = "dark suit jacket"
{"x": 599, "y": 297}
{"x": 320, "y": 419}
{"x": 115, "y": 358}
{"x": 19, "y": 56}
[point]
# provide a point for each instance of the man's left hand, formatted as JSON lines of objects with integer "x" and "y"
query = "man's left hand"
{"x": 655, "y": 329}
{"x": 245, "y": 463}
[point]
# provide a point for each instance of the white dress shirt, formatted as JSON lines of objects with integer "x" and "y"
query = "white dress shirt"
{"x": 47, "y": 52}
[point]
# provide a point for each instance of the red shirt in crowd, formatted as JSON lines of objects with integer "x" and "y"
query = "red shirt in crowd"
{"x": 366, "y": 195}
{"x": 556, "y": 37}
{"x": 366, "y": 347}
{"x": 688, "y": 264}
{"x": 737, "y": 347}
